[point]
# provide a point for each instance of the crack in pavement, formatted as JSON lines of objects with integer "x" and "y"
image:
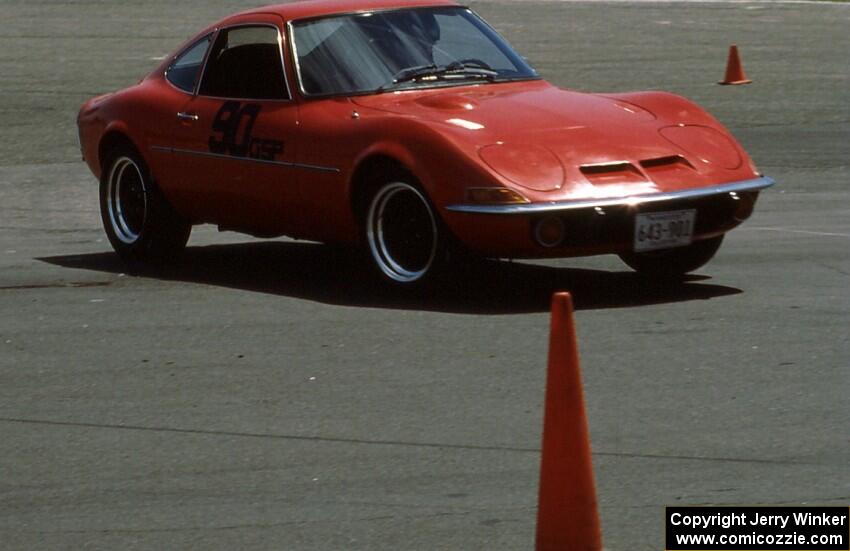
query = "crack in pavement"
{"x": 400, "y": 443}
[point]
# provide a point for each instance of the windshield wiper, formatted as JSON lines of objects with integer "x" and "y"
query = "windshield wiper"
{"x": 413, "y": 73}
{"x": 453, "y": 70}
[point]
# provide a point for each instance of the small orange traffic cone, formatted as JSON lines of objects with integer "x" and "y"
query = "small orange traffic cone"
{"x": 734, "y": 69}
{"x": 567, "y": 515}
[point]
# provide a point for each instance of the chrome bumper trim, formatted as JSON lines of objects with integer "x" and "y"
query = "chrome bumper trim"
{"x": 755, "y": 184}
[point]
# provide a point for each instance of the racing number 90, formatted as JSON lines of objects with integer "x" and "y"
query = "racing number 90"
{"x": 227, "y": 123}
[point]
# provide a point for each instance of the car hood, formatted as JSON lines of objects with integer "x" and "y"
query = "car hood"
{"x": 545, "y": 138}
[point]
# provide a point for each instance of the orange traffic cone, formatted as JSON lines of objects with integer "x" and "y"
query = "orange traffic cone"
{"x": 567, "y": 516}
{"x": 734, "y": 69}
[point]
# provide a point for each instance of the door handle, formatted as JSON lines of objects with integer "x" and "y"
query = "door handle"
{"x": 183, "y": 116}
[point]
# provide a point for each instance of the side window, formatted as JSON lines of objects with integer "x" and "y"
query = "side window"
{"x": 185, "y": 71}
{"x": 245, "y": 63}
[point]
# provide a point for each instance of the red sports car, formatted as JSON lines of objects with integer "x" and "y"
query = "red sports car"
{"x": 409, "y": 128}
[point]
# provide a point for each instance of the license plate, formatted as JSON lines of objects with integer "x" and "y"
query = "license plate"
{"x": 664, "y": 230}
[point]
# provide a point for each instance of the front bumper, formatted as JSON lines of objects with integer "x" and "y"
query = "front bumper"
{"x": 597, "y": 226}
{"x": 756, "y": 184}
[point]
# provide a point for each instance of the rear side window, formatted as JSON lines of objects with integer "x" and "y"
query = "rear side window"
{"x": 185, "y": 71}
{"x": 245, "y": 63}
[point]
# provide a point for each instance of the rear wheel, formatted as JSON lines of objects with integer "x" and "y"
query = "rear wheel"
{"x": 403, "y": 234}
{"x": 139, "y": 222}
{"x": 674, "y": 262}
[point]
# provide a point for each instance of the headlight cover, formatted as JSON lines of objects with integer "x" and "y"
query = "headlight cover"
{"x": 704, "y": 143}
{"x": 530, "y": 166}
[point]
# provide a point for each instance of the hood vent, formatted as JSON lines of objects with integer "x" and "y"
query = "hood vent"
{"x": 619, "y": 172}
{"x": 669, "y": 171}
{"x": 671, "y": 161}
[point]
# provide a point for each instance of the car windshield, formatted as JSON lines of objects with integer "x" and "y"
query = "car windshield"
{"x": 400, "y": 49}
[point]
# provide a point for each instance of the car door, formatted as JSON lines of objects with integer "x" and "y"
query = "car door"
{"x": 237, "y": 133}
{"x": 162, "y": 125}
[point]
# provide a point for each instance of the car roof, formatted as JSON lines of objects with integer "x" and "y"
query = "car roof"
{"x": 315, "y": 8}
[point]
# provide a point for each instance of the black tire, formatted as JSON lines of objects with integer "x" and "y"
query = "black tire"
{"x": 140, "y": 224}
{"x": 676, "y": 262}
{"x": 404, "y": 238}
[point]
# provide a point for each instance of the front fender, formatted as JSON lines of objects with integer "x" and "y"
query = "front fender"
{"x": 669, "y": 108}
{"x": 443, "y": 164}
{"x": 674, "y": 110}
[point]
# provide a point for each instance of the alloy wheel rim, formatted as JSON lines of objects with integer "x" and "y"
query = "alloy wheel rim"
{"x": 402, "y": 232}
{"x": 127, "y": 200}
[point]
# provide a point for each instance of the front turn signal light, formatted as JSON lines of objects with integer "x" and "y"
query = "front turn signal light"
{"x": 494, "y": 196}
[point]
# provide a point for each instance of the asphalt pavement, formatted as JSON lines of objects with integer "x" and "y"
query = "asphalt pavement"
{"x": 260, "y": 398}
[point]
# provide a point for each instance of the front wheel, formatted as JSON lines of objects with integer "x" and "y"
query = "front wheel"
{"x": 674, "y": 262}
{"x": 139, "y": 222}
{"x": 403, "y": 234}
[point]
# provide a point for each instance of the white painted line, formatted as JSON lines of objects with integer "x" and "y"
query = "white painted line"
{"x": 805, "y": 232}
{"x": 773, "y": 2}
